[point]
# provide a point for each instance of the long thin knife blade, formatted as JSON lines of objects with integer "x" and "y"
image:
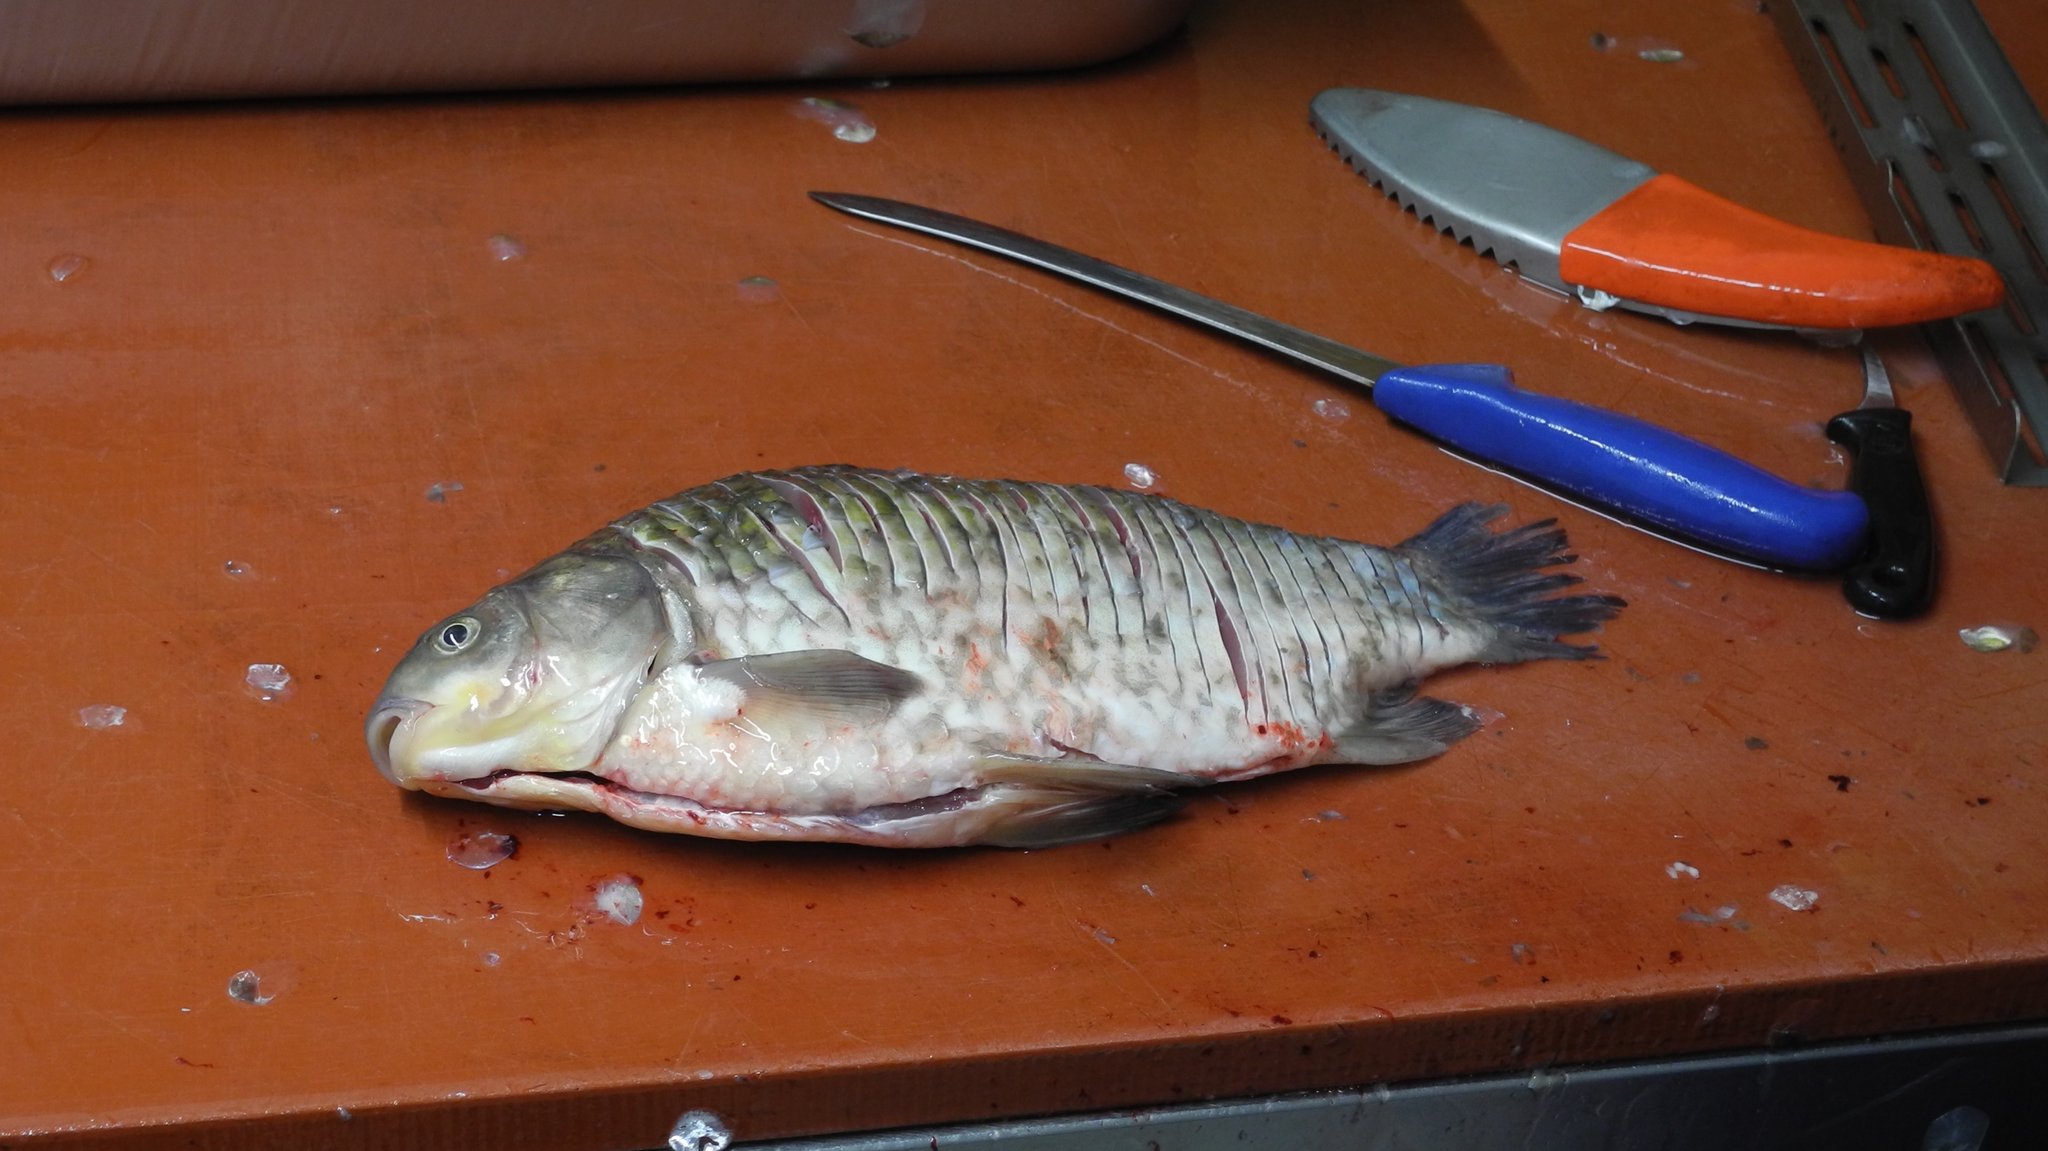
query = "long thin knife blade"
{"x": 1648, "y": 474}
{"x": 1286, "y": 339}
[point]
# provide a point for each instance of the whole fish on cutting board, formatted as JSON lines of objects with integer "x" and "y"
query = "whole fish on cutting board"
{"x": 911, "y": 660}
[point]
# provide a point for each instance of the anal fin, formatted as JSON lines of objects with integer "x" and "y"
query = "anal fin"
{"x": 1400, "y": 727}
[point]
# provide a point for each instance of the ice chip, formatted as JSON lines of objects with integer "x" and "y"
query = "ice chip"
{"x": 99, "y": 716}
{"x": 1794, "y": 898}
{"x": 268, "y": 682}
{"x": 619, "y": 899}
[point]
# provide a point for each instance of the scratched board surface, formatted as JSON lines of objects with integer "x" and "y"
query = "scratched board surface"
{"x": 282, "y": 384}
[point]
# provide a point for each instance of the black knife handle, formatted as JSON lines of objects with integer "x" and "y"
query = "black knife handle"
{"x": 1894, "y": 578}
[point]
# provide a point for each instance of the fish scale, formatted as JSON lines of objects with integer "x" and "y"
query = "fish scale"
{"x": 902, "y": 659}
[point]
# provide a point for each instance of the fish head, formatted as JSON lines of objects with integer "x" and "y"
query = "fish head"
{"x": 530, "y": 681}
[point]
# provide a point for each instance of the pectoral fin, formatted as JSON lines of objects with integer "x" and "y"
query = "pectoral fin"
{"x": 822, "y": 685}
{"x": 1048, "y": 802}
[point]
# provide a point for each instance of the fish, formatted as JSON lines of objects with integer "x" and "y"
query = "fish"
{"x": 898, "y": 659}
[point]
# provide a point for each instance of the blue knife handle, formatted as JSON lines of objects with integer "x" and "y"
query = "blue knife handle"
{"x": 1643, "y": 471}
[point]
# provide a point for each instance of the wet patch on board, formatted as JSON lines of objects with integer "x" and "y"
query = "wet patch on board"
{"x": 847, "y": 121}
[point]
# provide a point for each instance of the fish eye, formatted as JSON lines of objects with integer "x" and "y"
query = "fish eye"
{"x": 457, "y": 634}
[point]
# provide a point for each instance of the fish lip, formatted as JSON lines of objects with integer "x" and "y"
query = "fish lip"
{"x": 487, "y": 783}
{"x": 604, "y": 790}
{"x": 389, "y": 716}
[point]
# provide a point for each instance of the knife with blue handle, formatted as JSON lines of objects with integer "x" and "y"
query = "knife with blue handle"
{"x": 1662, "y": 480}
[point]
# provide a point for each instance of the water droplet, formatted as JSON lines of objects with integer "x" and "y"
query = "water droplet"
{"x": 1147, "y": 889}
{"x": 492, "y": 959}
{"x": 885, "y": 23}
{"x": 1330, "y": 816}
{"x": 1335, "y": 411}
{"x": 66, "y": 266}
{"x": 1661, "y": 55}
{"x": 1103, "y": 937}
{"x": 1794, "y": 898}
{"x": 699, "y": 1131}
{"x": 1522, "y": 954}
{"x": 1711, "y": 1013}
{"x": 1680, "y": 867}
{"x": 478, "y": 850}
{"x": 847, "y": 121}
{"x": 236, "y": 569}
{"x": 619, "y": 899}
{"x": 247, "y": 987}
{"x": 1140, "y": 476}
{"x": 344, "y": 1114}
{"x": 268, "y": 682}
{"x": 759, "y": 290}
{"x": 102, "y": 715}
{"x": 1915, "y": 130}
{"x": 504, "y": 248}
{"x": 438, "y": 493}
{"x": 1988, "y": 149}
{"x": 1999, "y": 637}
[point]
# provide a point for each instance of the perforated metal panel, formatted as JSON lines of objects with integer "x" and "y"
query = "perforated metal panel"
{"x": 1953, "y": 157}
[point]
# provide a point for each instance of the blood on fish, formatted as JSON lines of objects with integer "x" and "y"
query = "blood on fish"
{"x": 1048, "y": 639}
{"x": 1296, "y": 739}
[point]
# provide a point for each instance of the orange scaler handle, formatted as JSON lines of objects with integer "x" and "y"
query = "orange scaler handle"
{"x": 1679, "y": 246}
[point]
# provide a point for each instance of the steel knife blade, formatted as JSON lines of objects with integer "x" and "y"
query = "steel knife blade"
{"x": 1576, "y": 217}
{"x": 1651, "y": 477}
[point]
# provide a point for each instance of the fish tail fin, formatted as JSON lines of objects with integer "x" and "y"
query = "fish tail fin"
{"x": 1496, "y": 579}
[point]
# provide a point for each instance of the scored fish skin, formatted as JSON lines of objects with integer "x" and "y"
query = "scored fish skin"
{"x": 913, "y": 660}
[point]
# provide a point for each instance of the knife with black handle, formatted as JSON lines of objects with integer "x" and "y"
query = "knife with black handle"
{"x": 1656, "y": 477}
{"x": 1894, "y": 576}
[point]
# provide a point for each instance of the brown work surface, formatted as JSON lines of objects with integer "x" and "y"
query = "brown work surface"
{"x": 293, "y": 320}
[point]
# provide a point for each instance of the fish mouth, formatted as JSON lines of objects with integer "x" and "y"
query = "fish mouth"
{"x": 387, "y": 718}
{"x": 492, "y": 780}
{"x": 557, "y": 788}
